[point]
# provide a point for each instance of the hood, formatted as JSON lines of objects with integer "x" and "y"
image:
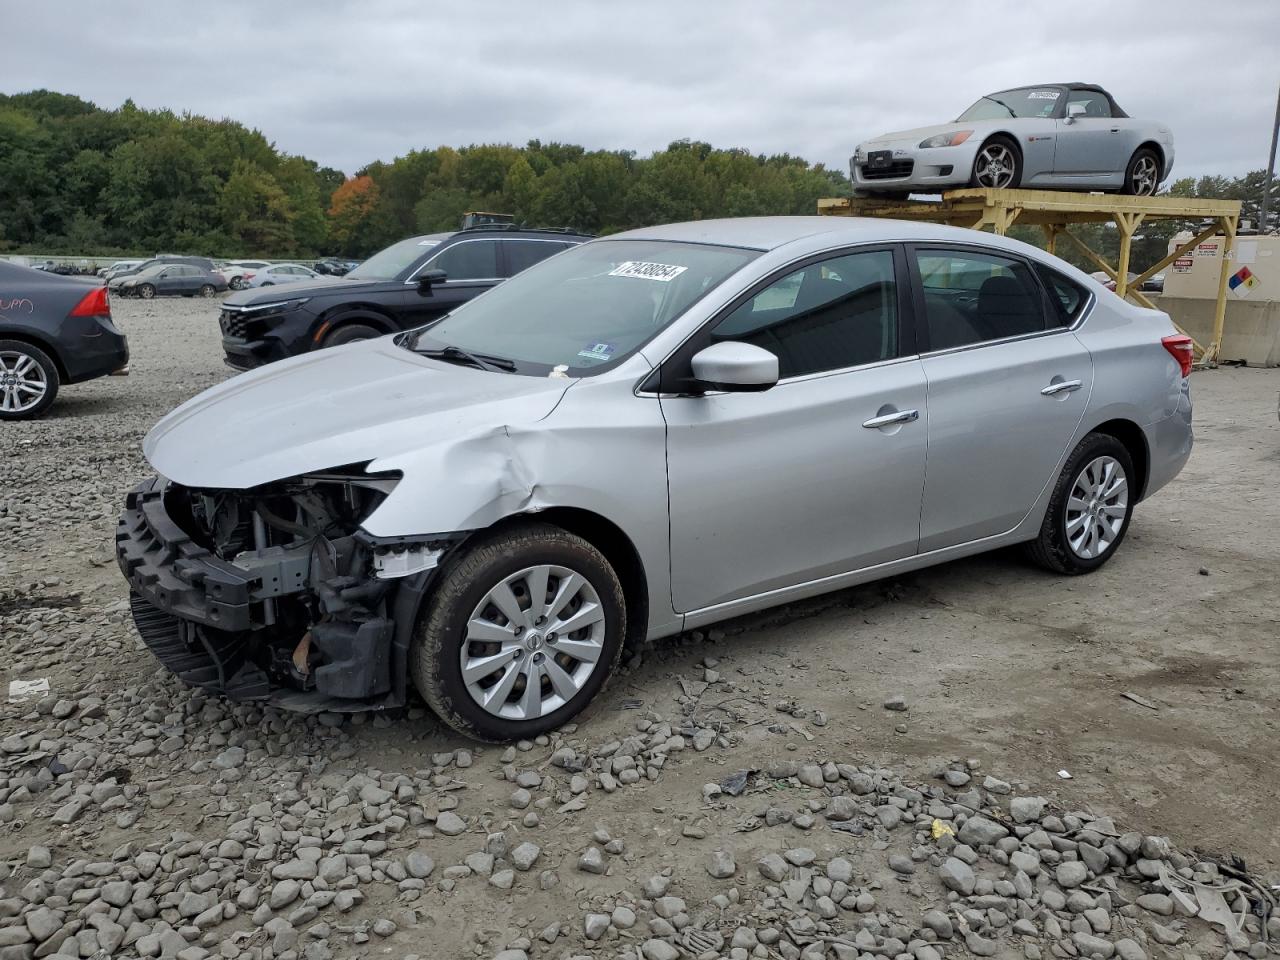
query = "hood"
{"x": 351, "y": 404}
{"x": 302, "y": 288}
{"x": 917, "y": 134}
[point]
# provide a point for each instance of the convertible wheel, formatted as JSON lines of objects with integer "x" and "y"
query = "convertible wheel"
{"x": 521, "y": 633}
{"x": 997, "y": 164}
{"x": 146, "y": 291}
{"x": 1090, "y": 509}
{"x": 28, "y": 380}
{"x": 1142, "y": 176}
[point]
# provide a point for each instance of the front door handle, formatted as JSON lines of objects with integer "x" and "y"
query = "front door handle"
{"x": 889, "y": 419}
{"x": 1062, "y": 386}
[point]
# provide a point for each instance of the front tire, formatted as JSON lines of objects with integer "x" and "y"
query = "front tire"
{"x": 146, "y": 291}
{"x": 352, "y": 333}
{"x": 207, "y": 290}
{"x": 28, "y": 380}
{"x": 1090, "y": 509}
{"x": 998, "y": 165}
{"x": 522, "y": 631}
{"x": 1142, "y": 175}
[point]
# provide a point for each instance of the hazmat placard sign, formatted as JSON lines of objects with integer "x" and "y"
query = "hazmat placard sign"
{"x": 1183, "y": 265}
{"x": 1242, "y": 282}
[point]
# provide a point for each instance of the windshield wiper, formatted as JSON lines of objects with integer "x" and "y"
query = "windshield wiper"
{"x": 1003, "y": 104}
{"x": 453, "y": 354}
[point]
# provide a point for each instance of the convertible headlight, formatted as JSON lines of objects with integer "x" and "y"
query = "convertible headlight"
{"x": 947, "y": 139}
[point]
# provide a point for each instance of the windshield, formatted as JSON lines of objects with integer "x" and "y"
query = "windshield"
{"x": 396, "y": 259}
{"x": 1031, "y": 102}
{"x": 586, "y": 308}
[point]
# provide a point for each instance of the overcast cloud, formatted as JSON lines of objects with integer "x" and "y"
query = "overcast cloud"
{"x": 348, "y": 83}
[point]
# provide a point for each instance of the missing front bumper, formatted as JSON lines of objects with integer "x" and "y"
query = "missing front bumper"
{"x": 236, "y": 629}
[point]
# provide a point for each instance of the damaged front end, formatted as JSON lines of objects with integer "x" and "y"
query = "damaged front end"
{"x": 276, "y": 593}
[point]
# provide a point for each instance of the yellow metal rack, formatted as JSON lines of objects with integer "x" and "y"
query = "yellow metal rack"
{"x": 1053, "y": 211}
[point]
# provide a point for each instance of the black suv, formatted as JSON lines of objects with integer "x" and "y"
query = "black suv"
{"x": 408, "y": 284}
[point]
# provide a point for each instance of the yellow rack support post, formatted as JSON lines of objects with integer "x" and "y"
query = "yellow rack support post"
{"x": 1054, "y": 210}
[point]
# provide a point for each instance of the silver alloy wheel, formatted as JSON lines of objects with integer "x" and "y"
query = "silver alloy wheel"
{"x": 1143, "y": 179}
{"x": 996, "y": 165}
{"x": 532, "y": 642}
{"x": 146, "y": 291}
{"x": 22, "y": 382}
{"x": 1096, "y": 508}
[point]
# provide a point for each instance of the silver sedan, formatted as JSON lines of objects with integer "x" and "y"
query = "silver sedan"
{"x": 647, "y": 433}
{"x": 1061, "y": 136}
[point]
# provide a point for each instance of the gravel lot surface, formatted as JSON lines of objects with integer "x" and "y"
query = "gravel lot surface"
{"x": 870, "y": 774}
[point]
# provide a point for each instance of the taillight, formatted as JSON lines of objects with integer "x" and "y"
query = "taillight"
{"x": 93, "y": 304}
{"x": 1180, "y": 346}
{"x": 246, "y": 276}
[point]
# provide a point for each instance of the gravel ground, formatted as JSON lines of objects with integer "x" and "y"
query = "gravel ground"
{"x": 870, "y": 774}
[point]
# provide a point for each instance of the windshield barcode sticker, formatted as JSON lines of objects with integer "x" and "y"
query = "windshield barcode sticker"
{"x": 1043, "y": 95}
{"x": 662, "y": 272}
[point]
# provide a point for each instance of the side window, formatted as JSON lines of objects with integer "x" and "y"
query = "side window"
{"x": 1095, "y": 104}
{"x": 1066, "y": 298}
{"x": 469, "y": 260}
{"x": 522, "y": 254}
{"x": 833, "y": 314}
{"x": 970, "y": 297}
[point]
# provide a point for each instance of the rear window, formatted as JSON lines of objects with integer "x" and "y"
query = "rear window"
{"x": 1067, "y": 298}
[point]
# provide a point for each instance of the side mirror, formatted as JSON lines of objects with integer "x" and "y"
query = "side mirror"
{"x": 735, "y": 367}
{"x": 1075, "y": 110}
{"x": 427, "y": 277}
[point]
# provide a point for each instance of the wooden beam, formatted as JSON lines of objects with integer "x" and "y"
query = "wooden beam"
{"x": 1093, "y": 257}
{"x": 1220, "y": 305}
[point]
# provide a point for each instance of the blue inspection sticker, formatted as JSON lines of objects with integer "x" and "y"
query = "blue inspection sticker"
{"x": 597, "y": 351}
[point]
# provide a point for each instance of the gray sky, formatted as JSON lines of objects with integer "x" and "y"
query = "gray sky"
{"x": 345, "y": 84}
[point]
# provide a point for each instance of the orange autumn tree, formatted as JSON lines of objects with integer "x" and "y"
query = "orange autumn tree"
{"x": 353, "y": 214}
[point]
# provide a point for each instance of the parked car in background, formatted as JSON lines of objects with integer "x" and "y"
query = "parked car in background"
{"x": 335, "y": 268}
{"x": 279, "y": 273}
{"x": 406, "y": 285}
{"x": 204, "y": 263}
{"x": 238, "y": 273}
{"x": 1059, "y": 136}
{"x": 649, "y": 433}
{"x": 111, "y": 272}
{"x": 53, "y": 331}
{"x": 170, "y": 280}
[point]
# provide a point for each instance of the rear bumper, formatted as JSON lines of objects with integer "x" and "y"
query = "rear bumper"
{"x": 94, "y": 350}
{"x": 1169, "y": 442}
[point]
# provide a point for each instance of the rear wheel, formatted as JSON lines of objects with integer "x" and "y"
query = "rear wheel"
{"x": 521, "y": 633}
{"x": 352, "y": 333}
{"x": 237, "y": 283}
{"x": 997, "y": 165}
{"x": 1142, "y": 176}
{"x": 1090, "y": 509}
{"x": 146, "y": 291}
{"x": 28, "y": 380}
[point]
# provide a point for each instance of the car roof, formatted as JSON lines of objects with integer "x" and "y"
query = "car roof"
{"x": 769, "y": 233}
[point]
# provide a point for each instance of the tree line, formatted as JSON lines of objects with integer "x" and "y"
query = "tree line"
{"x": 79, "y": 179}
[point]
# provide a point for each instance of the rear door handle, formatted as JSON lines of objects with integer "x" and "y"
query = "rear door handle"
{"x": 889, "y": 419}
{"x": 1062, "y": 386}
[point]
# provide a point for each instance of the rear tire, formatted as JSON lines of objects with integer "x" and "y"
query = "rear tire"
{"x": 998, "y": 165}
{"x": 28, "y": 380}
{"x": 352, "y": 333}
{"x": 1090, "y": 509}
{"x": 1142, "y": 175}
{"x": 462, "y": 623}
{"x": 237, "y": 283}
